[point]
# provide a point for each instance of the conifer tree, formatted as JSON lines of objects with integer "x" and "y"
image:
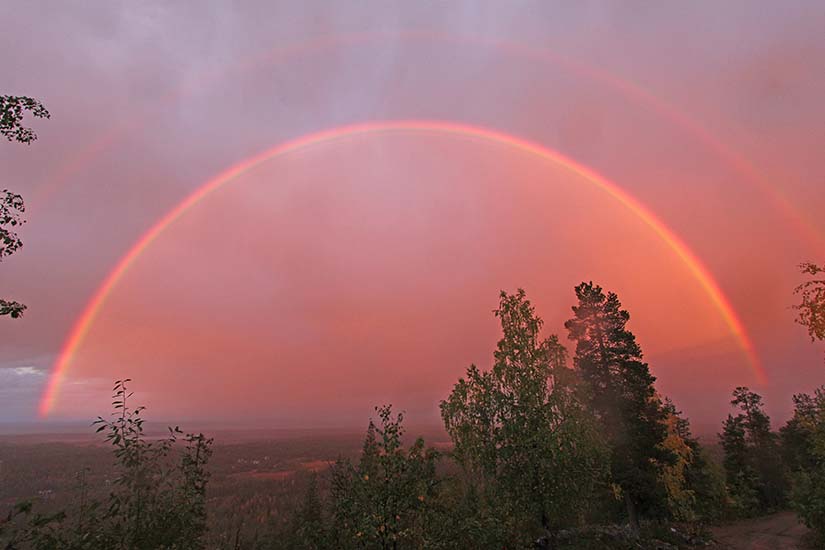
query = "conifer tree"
{"x": 754, "y": 471}
{"x": 308, "y": 530}
{"x": 803, "y": 440}
{"x": 621, "y": 393}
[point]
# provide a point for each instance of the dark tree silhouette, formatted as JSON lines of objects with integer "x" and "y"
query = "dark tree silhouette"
{"x": 803, "y": 441}
{"x": 812, "y": 307}
{"x": 12, "y": 207}
{"x": 622, "y": 396}
{"x": 755, "y": 474}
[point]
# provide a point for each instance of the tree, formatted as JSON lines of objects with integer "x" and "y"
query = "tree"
{"x": 157, "y": 501}
{"x": 158, "y": 497}
{"x": 754, "y": 471}
{"x": 12, "y": 109}
{"x": 803, "y": 441}
{"x": 529, "y": 448}
{"x": 382, "y": 502}
{"x": 12, "y": 207}
{"x": 308, "y": 530}
{"x": 740, "y": 475}
{"x": 23, "y": 528}
{"x": 812, "y": 307}
{"x": 622, "y": 396}
{"x": 681, "y": 498}
{"x": 695, "y": 484}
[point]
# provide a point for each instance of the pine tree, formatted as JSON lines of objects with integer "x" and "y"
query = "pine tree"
{"x": 307, "y": 530}
{"x": 755, "y": 474}
{"x": 621, "y": 393}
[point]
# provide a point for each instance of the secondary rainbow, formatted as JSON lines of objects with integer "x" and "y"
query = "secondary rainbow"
{"x": 624, "y": 87}
{"x": 84, "y": 322}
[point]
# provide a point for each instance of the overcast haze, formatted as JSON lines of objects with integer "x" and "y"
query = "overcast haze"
{"x": 364, "y": 271}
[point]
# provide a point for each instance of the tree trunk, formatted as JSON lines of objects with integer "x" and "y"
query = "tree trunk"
{"x": 632, "y": 514}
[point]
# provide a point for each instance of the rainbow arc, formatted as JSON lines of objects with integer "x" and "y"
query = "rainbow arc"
{"x": 698, "y": 270}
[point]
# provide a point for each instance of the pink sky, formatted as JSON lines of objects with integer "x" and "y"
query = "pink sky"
{"x": 364, "y": 271}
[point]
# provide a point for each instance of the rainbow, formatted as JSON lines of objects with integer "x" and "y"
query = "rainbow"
{"x": 92, "y": 309}
{"x": 735, "y": 160}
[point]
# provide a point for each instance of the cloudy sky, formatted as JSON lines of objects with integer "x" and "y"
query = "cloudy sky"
{"x": 363, "y": 270}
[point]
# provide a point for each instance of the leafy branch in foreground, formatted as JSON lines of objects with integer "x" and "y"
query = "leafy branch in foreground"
{"x": 812, "y": 307}
{"x": 11, "y": 217}
{"x": 12, "y": 109}
{"x": 12, "y": 207}
{"x": 13, "y": 309}
{"x": 158, "y": 499}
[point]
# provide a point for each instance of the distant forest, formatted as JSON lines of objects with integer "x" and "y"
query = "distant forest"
{"x": 551, "y": 448}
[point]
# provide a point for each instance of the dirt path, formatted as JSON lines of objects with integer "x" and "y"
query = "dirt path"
{"x": 775, "y": 532}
